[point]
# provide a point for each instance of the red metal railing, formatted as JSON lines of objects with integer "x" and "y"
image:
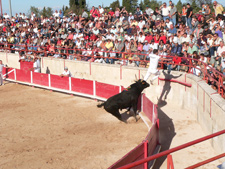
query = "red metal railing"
{"x": 206, "y": 161}
{"x": 172, "y": 150}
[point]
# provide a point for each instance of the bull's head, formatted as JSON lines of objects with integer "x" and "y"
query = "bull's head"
{"x": 143, "y": 83}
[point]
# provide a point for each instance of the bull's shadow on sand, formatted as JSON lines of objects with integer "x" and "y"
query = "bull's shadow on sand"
{"x": 166, "y": 134}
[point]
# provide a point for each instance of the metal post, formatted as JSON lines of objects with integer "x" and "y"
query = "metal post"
{"x": 10, "y": 9}
{"x": 1, "y": 7}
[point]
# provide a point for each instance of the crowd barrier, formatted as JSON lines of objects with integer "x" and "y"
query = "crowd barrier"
{"x": 208, "y": 73}
{"x": 95, "y": 90}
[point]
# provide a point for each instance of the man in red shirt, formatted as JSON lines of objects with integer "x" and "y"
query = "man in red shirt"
{"x": 162, "y": 37}
{"x": 93, "y": 37}
{"x": 176, "y": 61}
{"x": 148, "y": 37}
{"x": 111, "y": 12}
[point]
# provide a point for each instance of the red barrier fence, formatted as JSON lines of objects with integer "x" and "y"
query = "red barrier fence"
{"x": 136, "y": 154}
{"x": 95, "y": 90}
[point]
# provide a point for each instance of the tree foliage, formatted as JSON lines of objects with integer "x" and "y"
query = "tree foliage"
{"x": 195, "y": 6}
{"x": 179, "y": 6}
{"x": 35, "y": 10}
{"x": 199, "y": 2}
{"x": 134, "y": 4}
{"x": 147, "y": 3}
{"x": 46, "y": 12}
{"x": 114, "y": 5}
{"x": 142, "y": 6}
{"x": 154, "y": 4}
{"x": 126, "y": 3}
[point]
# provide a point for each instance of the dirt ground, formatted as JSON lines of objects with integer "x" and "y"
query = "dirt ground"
{"x": 44, "y": 129}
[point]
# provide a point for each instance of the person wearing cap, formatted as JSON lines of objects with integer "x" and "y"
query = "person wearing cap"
{"x": 113, "y": 30}
{"x": 173, "y": 14}
{"x": 146, "y": 47}
{"x": 148, "y": 10}
{"x": 111, "y": 13}
{"x": 130, "y": 17}
{"x": 138, "y": 12}
{"x": 66, "y": 73}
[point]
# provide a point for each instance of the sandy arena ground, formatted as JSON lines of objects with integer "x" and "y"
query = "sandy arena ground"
{"x": 44, "y": 129}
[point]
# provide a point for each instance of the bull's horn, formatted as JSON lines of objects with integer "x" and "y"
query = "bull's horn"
{"x": 136, "y": 77}
{"x": 142, "y": 77}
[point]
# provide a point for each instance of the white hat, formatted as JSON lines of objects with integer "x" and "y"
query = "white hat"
{"x": 65, "y": 68}
{"x": 119, "y": 39}
{"x": 130, "y": 13}
{"x": 152, "y": 12}
{"x": 158, "y": 19}
{"x": 146, "y": 41}
{"x": 113, "y": 26}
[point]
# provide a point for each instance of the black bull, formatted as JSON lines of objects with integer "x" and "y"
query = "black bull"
{"x": 126, "y": 99}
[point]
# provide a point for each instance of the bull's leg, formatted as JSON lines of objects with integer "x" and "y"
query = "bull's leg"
{"x": 134, "y": 106}
{"x": 115, "y": 112}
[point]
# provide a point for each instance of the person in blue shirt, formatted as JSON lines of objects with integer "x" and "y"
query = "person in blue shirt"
{"x": 172, "y": 29}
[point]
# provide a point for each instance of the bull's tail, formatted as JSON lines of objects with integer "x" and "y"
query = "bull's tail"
{"x": 100, "y": 105}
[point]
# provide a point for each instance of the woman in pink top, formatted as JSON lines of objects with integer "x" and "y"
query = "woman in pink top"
{"x": 140, "y": 46}
{"x": 117, "y": 12}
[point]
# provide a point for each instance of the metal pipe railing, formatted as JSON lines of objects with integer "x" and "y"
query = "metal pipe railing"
{"x": 172, "y": 150}
{"x": 206, "y": 161}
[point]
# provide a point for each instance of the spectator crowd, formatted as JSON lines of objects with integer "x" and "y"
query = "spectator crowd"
{"x": 107, "y": 36}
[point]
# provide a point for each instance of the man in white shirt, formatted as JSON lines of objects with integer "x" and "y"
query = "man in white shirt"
{"x": 148, "y": 10}
{"x": 56, "y": 14}
{"x": 113, "y": 30}
{"x": 220, "y": 49}
{"x": 165, "y": 11}
{"x": 101, "y": 10}
{"x": 152, "y": 69}
{"x": 37, "y": 65}
{"x": 66, "y": 72}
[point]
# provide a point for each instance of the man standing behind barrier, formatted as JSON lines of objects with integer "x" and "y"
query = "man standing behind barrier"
{"x": 1, "y": 76}
{"x": 37, "y": 65}
{"x": 152, "y": 69}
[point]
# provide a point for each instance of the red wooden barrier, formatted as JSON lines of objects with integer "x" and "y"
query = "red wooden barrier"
{"x": 23, "y": 75}
{"x": 60, "y": 82}
{"x": 153, "y": 138}
{"x": 147, "y": 107}
{"x": 82, "y": 86}
{"x": 40, "y": 79}
{"x": 106, "y": 90}
{"x": 26, "y": 65}
{"x": 10, "y": 75}
{"x": 136, "y": 154}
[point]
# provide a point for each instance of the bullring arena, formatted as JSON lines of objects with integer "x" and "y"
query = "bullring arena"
{"x": 41, "y": 128}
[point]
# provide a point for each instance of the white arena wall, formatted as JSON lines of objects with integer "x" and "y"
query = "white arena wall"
{"x": 201, "y": 100}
